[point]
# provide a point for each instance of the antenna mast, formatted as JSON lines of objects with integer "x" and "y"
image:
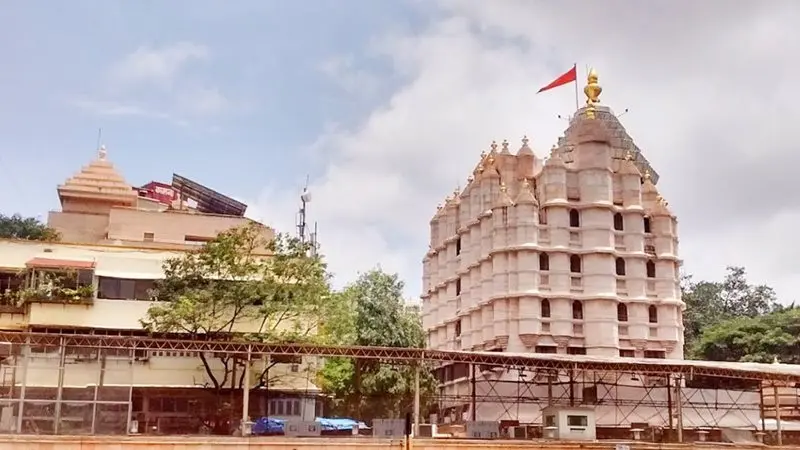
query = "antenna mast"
{"x": 305, "y": 199}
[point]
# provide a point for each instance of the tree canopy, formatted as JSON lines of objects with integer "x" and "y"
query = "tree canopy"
{"x": 709, "y": 303}
{"x": 372, "y": 312}
{"x": 229, "y": 289}
{"x": 753, "y": 339}
{"x": 28, "y": 228}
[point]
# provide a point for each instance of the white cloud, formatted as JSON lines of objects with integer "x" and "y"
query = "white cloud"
{"x": 156, "y": 65}
{"x": 710, "y": 91}
{"x": 157, "y": 83}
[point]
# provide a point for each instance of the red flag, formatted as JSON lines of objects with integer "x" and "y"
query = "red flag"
{"x": 570, "y": 76}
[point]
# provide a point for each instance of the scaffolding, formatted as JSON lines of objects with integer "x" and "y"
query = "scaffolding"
{"x": 669, "y": 394}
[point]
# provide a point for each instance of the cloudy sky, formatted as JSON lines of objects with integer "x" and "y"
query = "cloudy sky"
{"x": 386, "y": 106}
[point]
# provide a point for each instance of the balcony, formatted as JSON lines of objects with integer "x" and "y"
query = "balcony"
{"x": 53, "y": 281}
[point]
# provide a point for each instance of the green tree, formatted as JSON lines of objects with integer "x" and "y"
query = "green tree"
{"x": 28, "y": 228}
{"x": 374, "y": 313}
{"x": 230, "y": 289}
{"x": 709, "y": 303}
{"x": 753, "y": 339}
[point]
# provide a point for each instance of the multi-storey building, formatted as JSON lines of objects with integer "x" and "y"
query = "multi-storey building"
{"x": 114, "y": 241}
{"x": 576, "y": 254}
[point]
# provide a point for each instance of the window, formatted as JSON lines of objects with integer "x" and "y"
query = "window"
{"x": 544, "y": 262}
{"x": 655, "y": 354}
{"x": 627, "y": 353}
{"x": 545, "y": 308}
{"x": 620, "y": 269}
{"x": 622, "y": 312}
{"x": 577, "y": 310}
{"x": 125, "y": 289}
{"x": 576, "y": 351}
{"x": 647, "y": 225}
{"x": 458, "y": 246}
{"x": 575, "y": 264}
{"x": 458, "y": 327}
{"x": 574, "y": 218}
{"x": 652, "y": 314}
{"x": 651, "y": 269}
{"x": 577, "y": 421}
{"x": 148, "y": 237}
{"x": 197, "y": 239}
{"x": 589, "y": 394}
{"x": 549, "y": 349}
{"x": 458, "y": 286}
{"x": 619, "y": 224}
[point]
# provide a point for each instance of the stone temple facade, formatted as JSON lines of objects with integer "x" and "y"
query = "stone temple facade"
{"x": 574, "y": 254}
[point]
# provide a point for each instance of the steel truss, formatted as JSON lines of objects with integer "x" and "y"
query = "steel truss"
{"x": 525, "y": 389}
{"x": 393, "y": 355}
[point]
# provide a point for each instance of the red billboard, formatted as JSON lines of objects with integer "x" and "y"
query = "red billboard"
{"x": 160, "y": 192}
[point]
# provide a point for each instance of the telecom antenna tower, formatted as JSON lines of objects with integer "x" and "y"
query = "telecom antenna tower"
{"x": 302, "y": 226}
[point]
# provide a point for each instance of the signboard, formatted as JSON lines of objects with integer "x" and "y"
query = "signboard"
{"x": 483, "y": 430}
{"x": 388, "y": 428}
{"x": 299, "y": 428}
{"x": 160, "y": 192}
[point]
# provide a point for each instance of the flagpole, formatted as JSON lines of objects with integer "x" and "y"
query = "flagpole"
{"x": 577, "y": 96}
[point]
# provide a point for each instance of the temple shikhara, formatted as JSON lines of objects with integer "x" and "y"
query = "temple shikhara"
{"x": 575, "y": 254}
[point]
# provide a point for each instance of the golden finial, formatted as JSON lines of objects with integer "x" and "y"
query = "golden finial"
{"x": 480, "y": 168}
{"x": 505, "y": 145}
{"x": 483, "y": 155}
{"x": 439, "y": 207}
{"x": 457, "y": 191}
{"x": 553, "y": 149}
{"x": 647, "y": 176}
{"x": 628, "y": 156}
{"x": 470, "y": 179}
{"x": 525, "y": 140}
{"x": 493, "y": 147}
{"x": 592, "y": 91}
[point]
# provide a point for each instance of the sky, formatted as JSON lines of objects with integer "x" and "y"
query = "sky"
{"x": 385, "y": 107}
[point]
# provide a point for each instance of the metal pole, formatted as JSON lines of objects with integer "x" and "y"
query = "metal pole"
{"x": 131, "y": 366}
{"x": 669, "y": 403}
{"x": 474, "y": 395}
{"x": 679, "y": 407}
{"x": 62, "y": 360}
{"x": 416, "y": 399}
{"x": 577, "y": 96}
{"x": 100, "y": 377}
{"x": 246, "y": 393}
{"x": 778, "y": 433}
{"x": 26, "y": 357}
{"x": 761, "y": 408}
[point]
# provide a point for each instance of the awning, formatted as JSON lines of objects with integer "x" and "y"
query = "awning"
{"x": 129, "y": 268}
{"x": 47, "y": 263}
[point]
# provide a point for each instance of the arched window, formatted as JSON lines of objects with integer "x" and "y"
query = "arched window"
{"x": 545, "y": 308}
{"x": 651, "y": 269}
{"x": 577, "y": 310}
{"x": 544, "y": 262}
{"x": 574, "y": 218}
{"x": 652, "y": 314}
{"x": 620, "y": 266}
{"x": 647, "y": 225}
{"x": 622, "y": 312}
{"x": 619, "y": 224}
{"x": 575, "y": 264}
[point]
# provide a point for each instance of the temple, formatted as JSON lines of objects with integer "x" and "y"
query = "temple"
{"x": 573, "y": 254}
